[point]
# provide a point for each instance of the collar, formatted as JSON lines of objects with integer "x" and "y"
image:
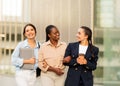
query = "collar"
{"x": 59, "y": 43}
{"x": 27, "y": 45}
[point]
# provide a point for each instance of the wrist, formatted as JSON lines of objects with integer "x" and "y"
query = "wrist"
{"x": 85, "y": 61}
{"x": 51, "y": 68}
{"x": 25, "y": 61}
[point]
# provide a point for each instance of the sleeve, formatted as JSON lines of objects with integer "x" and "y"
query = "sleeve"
{"x": 41, "y": 59}
{"x": 68, "y": 52}
{"x": 16, "y": 60}
{"x": 92, "y": 63}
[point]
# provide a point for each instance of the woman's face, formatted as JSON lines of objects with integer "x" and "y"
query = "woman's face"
{"x": 30, "y": 32}
{"x": 81, "y": 36}
{"x": 54, "y": 34}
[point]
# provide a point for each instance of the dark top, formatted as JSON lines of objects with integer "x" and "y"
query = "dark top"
{"x": 81, "y": 75}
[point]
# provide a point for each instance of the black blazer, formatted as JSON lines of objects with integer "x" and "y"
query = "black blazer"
{"x": 80, "y": 75}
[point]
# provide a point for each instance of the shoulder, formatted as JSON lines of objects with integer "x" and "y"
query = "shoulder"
{"x": 43, "y": 45}
{"x": 73, "y": 43}
{"x": 22, "y": 43}
{"x": 63, "y": 43}
{"x": 96, "y": 49}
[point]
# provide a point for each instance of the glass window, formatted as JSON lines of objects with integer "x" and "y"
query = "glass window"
{"x": 14, "y": 14}
{"x": 12, "y": 9}
{"x": 104, "y": 13}
{"x": 106, "y": 36}
{"x": 15, "y": 10}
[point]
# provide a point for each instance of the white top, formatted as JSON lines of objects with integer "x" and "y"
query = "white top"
{"x": 82, "y": 49}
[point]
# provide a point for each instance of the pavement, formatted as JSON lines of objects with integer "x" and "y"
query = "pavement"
{"x": 7, "y": 81}
{"x": 10, "y": 81}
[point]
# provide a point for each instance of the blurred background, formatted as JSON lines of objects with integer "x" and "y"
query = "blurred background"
{"x": 102, "y": 16}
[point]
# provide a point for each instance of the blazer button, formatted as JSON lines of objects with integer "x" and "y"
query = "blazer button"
{"x": 76, "y": 68}
{"x": 89, "y": 58}
{"x": 75, "y": 64}
{"x": 85, "y": 71}
{"x": 72, "y": 55}
{"x": 87, "y": 67}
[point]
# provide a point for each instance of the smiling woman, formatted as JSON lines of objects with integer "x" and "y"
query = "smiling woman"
{"x": 19, "y": 59}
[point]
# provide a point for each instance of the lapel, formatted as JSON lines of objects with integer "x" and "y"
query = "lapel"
{"x": 88, "y": 52}
{"x": 76, "y": 49}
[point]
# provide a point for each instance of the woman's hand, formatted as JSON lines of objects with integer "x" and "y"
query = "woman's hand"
{"x": 32, "y": 60}
{"x": 81, "y": 60}
{"x": 67, "y": 59}
{"x": 29, "y": 61}
{"x": 58, "y": 71}
{"x": 44, "y": 64}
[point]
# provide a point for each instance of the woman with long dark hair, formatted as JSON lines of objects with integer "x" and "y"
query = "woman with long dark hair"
{"x": 81, "y": 57}
{"x": 51, "y": 55}
{"x": 26, "y": 75}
